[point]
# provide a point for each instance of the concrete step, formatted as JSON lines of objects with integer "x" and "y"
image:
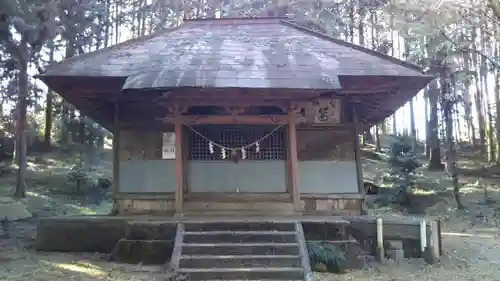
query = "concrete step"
{"x": 238, "y": 226}
{"x": 235, "y": 261}
{"x": 240, "y": 249}
{"x": 239, "y": 236}
{"x": 255, "y": 273}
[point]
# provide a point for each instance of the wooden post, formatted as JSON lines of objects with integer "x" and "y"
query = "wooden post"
{"x": 434, "y": 251}
{"x": 423, "y": 236}
{"x": 357, "y": 158}
{"x": 380, "y": 241}
{"x": 179, "y": 168}
{"x": 294, "y": 168}
{"x": 116, "y": 158}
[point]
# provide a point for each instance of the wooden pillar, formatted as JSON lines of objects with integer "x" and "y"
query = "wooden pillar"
{"x": 179, "y": 169}
{"x": 357, "y": 158}
{"x": 293, "y": 160}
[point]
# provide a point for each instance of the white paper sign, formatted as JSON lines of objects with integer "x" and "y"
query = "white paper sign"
{"x": 168, "y": 148}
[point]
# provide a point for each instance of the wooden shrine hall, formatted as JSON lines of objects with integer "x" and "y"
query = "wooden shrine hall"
{"x": 236, "y": 116}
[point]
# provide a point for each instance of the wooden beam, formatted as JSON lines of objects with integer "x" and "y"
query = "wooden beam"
{"x": 294, "y": 168}
{"x": 223, "y": 102}
{"x": 227, "y": 119}
{"x": 244, "y": 93}
{"x": 179, "y": 167}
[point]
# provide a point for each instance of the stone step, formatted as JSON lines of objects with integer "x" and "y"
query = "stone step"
{"x": 240, "y": 249}
{"x": 255, "y": 273}
{"x": 237, "y": 213}
{"x": 210, "y": 206}
{"x": 235, "y": 261}
{"x": 239, "y": 236}
{"x": 238, "y": 226}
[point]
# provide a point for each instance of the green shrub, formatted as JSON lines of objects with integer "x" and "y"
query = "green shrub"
{"x": 328, "y": 255}
{"x": 403, "y": 164}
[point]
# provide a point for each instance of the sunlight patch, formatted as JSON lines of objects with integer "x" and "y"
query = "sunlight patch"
{"x": 467, "y": 235}
{"x": 90, "y": 270}
{"x": 423, "y": 191}
{"x": 81, "y": 210}
{"x": 34, "y": 194}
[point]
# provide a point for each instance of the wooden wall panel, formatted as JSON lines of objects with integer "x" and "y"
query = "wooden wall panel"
{"x": 145, "y": 206}
{"x": 333, "y": 206}
{"x": 135, "y": 145}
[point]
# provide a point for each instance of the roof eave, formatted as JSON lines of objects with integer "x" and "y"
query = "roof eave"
{"x": 52, "y": 68}
{"x": 352, "y": 45}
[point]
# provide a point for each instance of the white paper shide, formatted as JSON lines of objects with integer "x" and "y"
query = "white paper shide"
{"x": 168, "y": 147}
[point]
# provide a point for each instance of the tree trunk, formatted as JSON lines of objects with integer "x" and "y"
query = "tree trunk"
{"x": 48, "y": 108}
{"x": 361, "y": 25}
{"x": 65, "y": 118}
{"x": 21, "y": 145}
{"x": 72, "y": 125}
{"x": 478, "y": 97}
{"x": 451, "y": 155}
{"x": 471, "y": 128}
{"x": 434, "y": 149}
{"x": 378, "y": 147}
{"x": 480, "y": 116}
{"x": 427, "y": 126}
{"x": 456, "y": 115}
{"x": 393, "y": 53}
{"x": 491, "y": 130}
{"x": 118, "y": 21}
{"x": 497, "y": 107}
{"x": 107, "y": 21}
{"x": 413, "y": 130}
{"x": 394, "y": 124}
{"x": 352, "y": 22}
{"x": 48, "y": 120}
{"x": 486, "y": 95}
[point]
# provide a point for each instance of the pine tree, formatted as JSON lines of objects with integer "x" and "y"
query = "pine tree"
{"x": 403, "y": 162}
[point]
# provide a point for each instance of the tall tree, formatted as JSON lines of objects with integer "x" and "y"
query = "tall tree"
{"x": 24, "y": 28}
{"x": 48, "y": 104}
{"x": 448, "y": 102}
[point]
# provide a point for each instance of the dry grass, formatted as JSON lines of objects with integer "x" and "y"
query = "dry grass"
{"x": 29, "y": 266}
{"x": 471, "y": 237}
{"x": 466, "y": 259}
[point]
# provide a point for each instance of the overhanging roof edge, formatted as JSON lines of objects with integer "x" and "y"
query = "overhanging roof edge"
{"x": 332, "y": 39}
{"x": 110, "y": 48}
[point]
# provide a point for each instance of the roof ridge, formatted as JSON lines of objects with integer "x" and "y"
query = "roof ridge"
{"x": 111, "y": 47}
{"x": 351, "y": 45}
{"x": 253, "y": 18}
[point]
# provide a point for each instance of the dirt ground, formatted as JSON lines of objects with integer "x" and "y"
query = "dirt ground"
{"x": 471, "y": 238}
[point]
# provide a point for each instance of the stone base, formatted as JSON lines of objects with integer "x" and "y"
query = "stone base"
{"x": 12, "y": 210}
{"x": 142, "y": 251}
